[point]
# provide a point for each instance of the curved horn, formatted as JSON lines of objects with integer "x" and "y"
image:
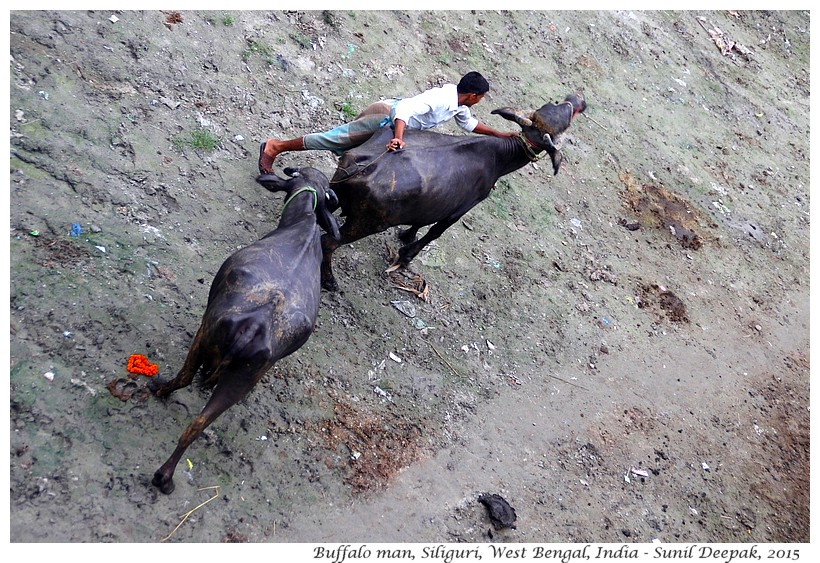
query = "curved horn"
{"x": 513, "y": 115}
{"x": 292, "y": 171}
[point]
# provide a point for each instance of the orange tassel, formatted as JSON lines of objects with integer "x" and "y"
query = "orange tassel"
{"x": 138, "y": 363}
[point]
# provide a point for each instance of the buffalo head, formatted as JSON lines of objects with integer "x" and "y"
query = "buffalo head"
{"x": 543, "y": 126}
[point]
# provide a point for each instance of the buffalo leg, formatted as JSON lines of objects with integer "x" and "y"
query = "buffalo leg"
{"x": 409, "y": 251}
{"x": 349, "y": 232}
{"x": 329, "y": 246}
{"x": 186, "y": 374}
{"x": 408, "y": 235}
{"x": 225, "y": 395}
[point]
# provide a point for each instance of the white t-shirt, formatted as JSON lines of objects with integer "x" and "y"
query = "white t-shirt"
{"x": 433, "y": 107}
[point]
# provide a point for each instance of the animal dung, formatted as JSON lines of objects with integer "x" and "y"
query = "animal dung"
{"x": 502, "y": 515}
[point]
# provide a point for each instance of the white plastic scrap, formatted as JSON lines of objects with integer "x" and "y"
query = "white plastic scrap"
{"x": 704, "y": 465}
{"x": 394, "y": 357}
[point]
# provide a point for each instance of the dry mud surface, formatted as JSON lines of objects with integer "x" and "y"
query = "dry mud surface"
{"x": 620, "y": 351}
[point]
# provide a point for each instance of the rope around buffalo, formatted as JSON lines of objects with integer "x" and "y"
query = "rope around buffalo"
{"x": 300, "y": 190}
{"x": 362, "y": 169}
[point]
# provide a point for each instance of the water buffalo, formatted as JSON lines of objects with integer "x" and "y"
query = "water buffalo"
{"x": 262, "y": 305}
{"x": 436, "y": 179}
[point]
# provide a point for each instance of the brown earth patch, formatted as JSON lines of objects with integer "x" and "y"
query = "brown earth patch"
{"x": 379, "y": 445}
{"x": 663, "y": 302}
{"x": 660, "y": 208}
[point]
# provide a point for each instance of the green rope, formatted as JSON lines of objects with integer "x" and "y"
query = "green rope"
{"x": 300, "y": 190}
{"x": 527, "y": 148}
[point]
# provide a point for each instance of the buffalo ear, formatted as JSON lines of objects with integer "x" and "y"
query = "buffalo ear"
{"x": 272, "y": 182}
{"x": 513, "y": 115}
{"x": 325, "y": 217}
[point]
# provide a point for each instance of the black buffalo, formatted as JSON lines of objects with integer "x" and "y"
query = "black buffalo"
{"x": 262, "y": 306}
{"x": 436, "y": 179}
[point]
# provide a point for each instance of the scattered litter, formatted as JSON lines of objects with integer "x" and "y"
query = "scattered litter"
{"x": 722, "y": 42}
{"x": 406, "y": 280}
{"x": 169, "y": 102}
{"x": 490, "y": 345}
{"x": 238, "y": 138}
{"x": 49, "y": 375}
{"x": 100, "y": 248}
{"x": 381, "y": 392}
{"x": 394, "y": 357}
{"x": 721, "y": 207}
{"x": 34, "y": 233}
{"x": 113, "y": 19}
{"x": 355, "y": 455}
{"x": 705, "y": 466}
{"x": 263, "y": 438}
{"x": 138, "y": 363}
{"x": 187, "y": 514}
{"x": 81, "y": 383}
{"x": 405, "y": 307}
{"x": 76, "y": 230}
{"x": 67, "y": 333}
{"x": 575, "y": 222}
{"x": 190, "y": 464}
{"x": 639, "y": 472}
{"x": 43, "y": 94}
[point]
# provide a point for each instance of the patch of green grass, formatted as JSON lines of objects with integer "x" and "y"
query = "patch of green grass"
{"x": 227, "y": 19}
{"x": 347, "y": 109}
{"x": 302, "y": 40}
{"x": 442, "y": 60}
{"x": 502, "y": 196}
{"x": 257, "y": 48}
{"x": 197, "y": 139}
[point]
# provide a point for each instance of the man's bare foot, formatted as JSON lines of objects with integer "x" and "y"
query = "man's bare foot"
{"x": 266, "y": 158}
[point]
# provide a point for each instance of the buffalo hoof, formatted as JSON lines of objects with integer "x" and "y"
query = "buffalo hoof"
{"x": 163, "y": 482}
{"x": 158, "y": 388}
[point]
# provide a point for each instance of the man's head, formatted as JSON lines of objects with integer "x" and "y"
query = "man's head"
{"x": 471, "y": 88}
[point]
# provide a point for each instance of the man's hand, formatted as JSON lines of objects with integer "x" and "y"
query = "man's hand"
{"x": 395, "y": 144}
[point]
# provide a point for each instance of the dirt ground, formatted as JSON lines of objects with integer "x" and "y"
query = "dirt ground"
{"x": 621, "y": 351}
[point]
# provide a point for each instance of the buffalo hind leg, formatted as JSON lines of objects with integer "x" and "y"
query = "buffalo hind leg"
{"x": 349, "y": 232}
{"x": 226, "y": 394}
{"x": 329, "y": 246}
{"x": 408, "y": 235}
{"x": 409, "y": 251}
{"x": 186, "y": 374}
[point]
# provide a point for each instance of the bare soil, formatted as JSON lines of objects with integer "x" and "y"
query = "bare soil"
{"x": 620, "y": 351}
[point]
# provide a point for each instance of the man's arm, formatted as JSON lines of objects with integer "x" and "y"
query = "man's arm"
{"x": 397, "y": 142}
{"x": 482, "y": 129}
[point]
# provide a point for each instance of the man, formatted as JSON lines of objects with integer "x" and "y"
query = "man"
{"x": 423, "y": 111}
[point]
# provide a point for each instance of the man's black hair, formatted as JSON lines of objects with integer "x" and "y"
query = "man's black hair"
{"x": 473, "y": 83}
